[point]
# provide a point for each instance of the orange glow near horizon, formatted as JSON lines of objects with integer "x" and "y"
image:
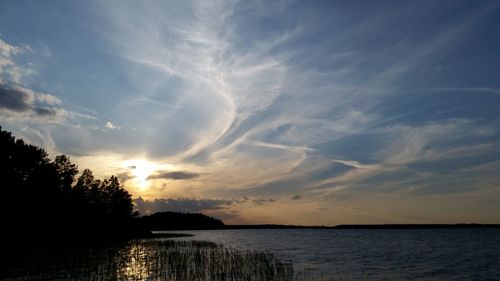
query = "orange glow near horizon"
{"x": 141, "y": 169}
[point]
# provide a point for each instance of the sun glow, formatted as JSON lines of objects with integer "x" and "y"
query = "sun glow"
{"x": 141, "y": 169}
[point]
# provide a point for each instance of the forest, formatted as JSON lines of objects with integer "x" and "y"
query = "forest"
{"x": 52, "y": 197}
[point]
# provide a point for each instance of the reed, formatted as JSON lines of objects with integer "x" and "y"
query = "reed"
{"x": 159, "y": 259}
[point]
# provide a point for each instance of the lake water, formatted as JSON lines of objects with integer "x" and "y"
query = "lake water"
{"x": 257, "y": 255}
{"x": 402, "y": 254}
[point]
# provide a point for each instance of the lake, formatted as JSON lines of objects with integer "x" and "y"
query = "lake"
{"x": 375, "y": 254}
{"x": 264, "y": 254}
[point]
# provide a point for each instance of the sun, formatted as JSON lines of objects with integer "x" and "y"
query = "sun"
{"x": 141, "y": 169}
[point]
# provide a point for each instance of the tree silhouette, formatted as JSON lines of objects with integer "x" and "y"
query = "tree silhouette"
{"x": 66, "y": 172}
{"x": 117, "y": 201}
{"x": 44, "y": 196}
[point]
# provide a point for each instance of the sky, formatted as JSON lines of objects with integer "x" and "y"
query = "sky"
{"x": 288, "y": 112}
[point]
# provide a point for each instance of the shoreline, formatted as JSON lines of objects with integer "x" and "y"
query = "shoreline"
{"x": 361, "y": 226}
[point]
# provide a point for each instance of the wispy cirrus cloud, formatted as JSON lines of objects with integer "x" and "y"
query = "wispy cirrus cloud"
{"x": 468, "y": 89}
{"x": 218, "y": 89}
{"x": 322, "y": 101}
{"x": 267, "y": 107}
{"x": 10, "y": 70}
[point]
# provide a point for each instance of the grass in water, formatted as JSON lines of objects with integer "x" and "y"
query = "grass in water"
{"x": 154, "y": 259}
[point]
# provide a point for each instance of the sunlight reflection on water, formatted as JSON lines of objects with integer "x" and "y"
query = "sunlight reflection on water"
{"x": 135, "y": 267}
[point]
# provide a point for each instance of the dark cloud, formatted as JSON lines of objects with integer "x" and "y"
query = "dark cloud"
{"x": 125, "y": 176}
{"x": 44, "y": 111}
{"x": 263, "y": 201}
{"x": 296, "y": 197}
{"x": 181, "y": 205}
{"x": 15, "y": 99}
{"x": 216, "y": 207}
{"x": 18, "y": 101}
{"x": 178, "y": 175}
{"x": 257, "y": 201}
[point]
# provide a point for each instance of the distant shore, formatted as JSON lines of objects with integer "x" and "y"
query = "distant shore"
{"x": 367, "y": 226}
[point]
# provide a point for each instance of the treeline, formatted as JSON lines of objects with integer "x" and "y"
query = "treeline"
{"x": 178, "y": 221}
{"x": 42, "y": 196}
